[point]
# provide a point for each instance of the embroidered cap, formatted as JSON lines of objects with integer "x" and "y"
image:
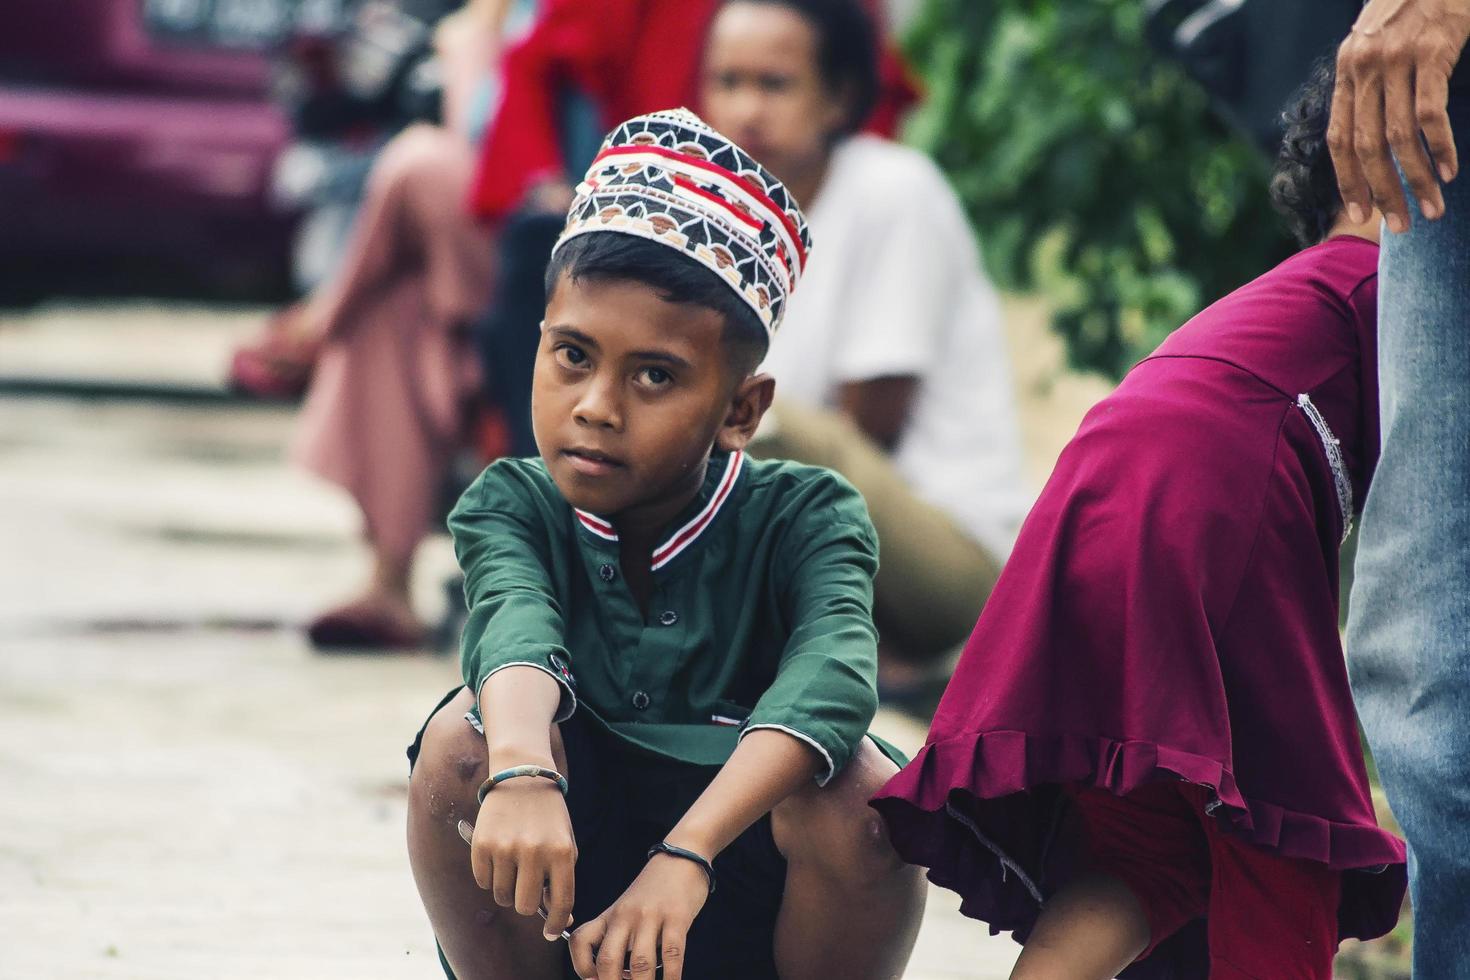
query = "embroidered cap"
{"x": 668, "y": 177}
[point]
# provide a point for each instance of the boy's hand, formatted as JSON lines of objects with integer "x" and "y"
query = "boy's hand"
{"x": 524, "y": 846}
{"x": 647, "y": 925}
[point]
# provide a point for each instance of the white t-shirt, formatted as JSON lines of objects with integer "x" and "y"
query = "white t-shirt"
{"x": 894, "y": 287}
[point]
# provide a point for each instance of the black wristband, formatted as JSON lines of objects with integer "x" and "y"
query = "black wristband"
{"x": 664, "y": 847}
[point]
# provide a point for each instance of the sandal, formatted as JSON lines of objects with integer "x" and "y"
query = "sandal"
{"x": 277, "y": 366}
{"x": 362, "y": 628}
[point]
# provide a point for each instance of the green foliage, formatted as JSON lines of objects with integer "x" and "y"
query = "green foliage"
{"x": 1091, "y": 166}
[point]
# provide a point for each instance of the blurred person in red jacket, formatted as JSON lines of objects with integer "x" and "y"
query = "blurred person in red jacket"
{"x": 626, "y": 57}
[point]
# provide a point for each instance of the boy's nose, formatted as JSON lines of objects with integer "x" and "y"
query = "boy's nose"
{"x": 598, "y": 407}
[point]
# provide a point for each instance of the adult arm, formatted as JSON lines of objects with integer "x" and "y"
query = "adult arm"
{"x": 1393, "y": 75}
{"x": 879, "y": 406}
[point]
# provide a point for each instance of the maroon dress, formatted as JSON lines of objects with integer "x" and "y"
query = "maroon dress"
{"x": 1170, "y": 612}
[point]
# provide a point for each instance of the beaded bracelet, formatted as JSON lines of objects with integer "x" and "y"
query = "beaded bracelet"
{"x": 664, "y": 847}
{"x": 515, "y": 771}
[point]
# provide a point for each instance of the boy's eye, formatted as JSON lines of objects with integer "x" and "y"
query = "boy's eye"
{"x": 655, "y": 377}
{"x": 569, "y": 355}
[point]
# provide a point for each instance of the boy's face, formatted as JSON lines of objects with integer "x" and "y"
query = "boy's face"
{"x": 631, "y": 392}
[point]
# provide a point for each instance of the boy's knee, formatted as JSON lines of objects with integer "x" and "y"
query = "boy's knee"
{"x": 834, "y": 827}
{"x": 450, "y": 766}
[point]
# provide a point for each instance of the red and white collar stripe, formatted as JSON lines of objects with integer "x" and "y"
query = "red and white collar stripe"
{"x": 681, "y": 539}
{"x": 597, "y": 525}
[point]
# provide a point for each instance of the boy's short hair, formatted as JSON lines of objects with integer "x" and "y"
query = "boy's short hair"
{"x": 1304, "y": 185}
{"x": 608, "y": 256}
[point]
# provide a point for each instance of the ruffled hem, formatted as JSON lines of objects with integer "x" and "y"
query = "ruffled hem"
{"x": 980, "y": 811}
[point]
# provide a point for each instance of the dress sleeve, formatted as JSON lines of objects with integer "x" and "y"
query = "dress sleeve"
{"x": 502, "y": 539}
{"x": 825, "y": 690}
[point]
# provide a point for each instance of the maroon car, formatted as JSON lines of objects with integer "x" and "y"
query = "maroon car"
{"x": 139, "y": 135}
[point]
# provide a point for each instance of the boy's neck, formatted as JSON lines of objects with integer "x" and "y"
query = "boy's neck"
{"x": 639, "y": 527}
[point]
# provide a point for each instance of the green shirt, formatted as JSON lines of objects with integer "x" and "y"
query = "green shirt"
{"x": 761, "y": 614}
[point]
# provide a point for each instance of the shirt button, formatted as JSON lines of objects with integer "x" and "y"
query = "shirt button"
{"x": 607, "y": 573}
{"x": 641, "y": 700}
{"x": 668, "y": 617}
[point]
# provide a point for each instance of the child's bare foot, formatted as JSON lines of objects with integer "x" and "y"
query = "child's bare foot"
{"x": 377, "y": 620}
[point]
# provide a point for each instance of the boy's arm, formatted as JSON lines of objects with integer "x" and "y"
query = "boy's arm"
{"x": 502, "y": 540}
{"x": 514, "y": 659}
{"x": 523, "y": 849}
{"x": 825, "y": 692}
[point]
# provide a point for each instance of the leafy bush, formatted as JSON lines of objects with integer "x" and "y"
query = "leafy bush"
{"x": 1091, "y": 166}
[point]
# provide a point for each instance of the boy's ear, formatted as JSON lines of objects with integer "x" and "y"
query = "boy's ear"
{"x": 747, "y": 408}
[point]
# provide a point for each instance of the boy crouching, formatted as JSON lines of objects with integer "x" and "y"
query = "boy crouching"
{"x": 670, "y": 657}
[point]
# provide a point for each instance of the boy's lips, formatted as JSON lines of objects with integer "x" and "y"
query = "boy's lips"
{"x": 591, "y": 462}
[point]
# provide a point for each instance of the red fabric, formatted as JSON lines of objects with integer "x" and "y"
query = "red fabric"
{"x": 629, "y": 57}
{"x": 1170, "y": 611}
{"x": 1266, "y": 915}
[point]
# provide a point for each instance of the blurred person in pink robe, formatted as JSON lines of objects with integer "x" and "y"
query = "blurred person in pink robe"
{"x": 392, "y": 382}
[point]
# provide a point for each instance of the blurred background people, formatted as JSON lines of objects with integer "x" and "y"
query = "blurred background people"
{"x": 892, "y": 368}
{"x": 392, "y": 382}
{"x": 582, "y": 66}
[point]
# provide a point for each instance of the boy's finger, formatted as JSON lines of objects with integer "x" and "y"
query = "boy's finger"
{"x": 503, "y": 882}
{"x": 560, "y": 897}
{"x": 530, "y": 883}
{"x": 1403, "y": 135}
{"x": 612, "y": 952}
{"x": 481, "y": 866}
{"x": 671, "y": 952}
{"x": 1350, "y": 181}
{"x": 584, "y": 948}
{"x": 1431, "y": 97}
{"x": 643, "y": 952}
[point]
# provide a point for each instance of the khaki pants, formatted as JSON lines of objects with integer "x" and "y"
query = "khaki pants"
{"x": 933, "y": 578}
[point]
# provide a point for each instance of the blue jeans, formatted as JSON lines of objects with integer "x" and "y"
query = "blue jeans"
{"x": 1409, "y": 623}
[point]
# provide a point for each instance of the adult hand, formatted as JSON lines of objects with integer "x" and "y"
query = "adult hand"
{"x": 644, "y": 927}
{"x": 1393, "y": 75}
{"x": 524, "y": 850}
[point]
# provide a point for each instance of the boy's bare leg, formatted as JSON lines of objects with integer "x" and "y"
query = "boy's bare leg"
{"x": 1090, "y": 930}
{"x": 852, "y": 907}
{"x": 481, "y": 940}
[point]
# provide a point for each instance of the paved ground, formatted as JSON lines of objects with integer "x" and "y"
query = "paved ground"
{"x": 185, "y": 790}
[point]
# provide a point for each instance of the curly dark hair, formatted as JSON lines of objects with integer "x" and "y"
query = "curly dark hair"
{"x": 1304, "y": 185}
{"x": 847, "y": 51}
